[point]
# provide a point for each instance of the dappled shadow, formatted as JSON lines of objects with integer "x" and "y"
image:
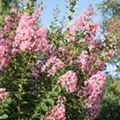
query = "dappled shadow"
{"x": 110, "y": 110}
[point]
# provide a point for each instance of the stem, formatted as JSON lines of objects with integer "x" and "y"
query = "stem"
{"x": 1, "y": 7}
{"x": 1, "y": 10}
{"x": 1, "y": 107}
{"x": 21, "y": 87}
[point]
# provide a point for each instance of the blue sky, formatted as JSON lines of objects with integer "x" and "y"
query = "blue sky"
{"x": 81, "y": 6}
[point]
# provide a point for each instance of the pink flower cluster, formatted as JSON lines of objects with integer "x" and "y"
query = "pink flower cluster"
{"x": 69, "y": 81}
{"x": 92, "y": 92}
{"x": 83, "y": 61}
{"x": 5, "y": 53}
{"x": 21, "y": 32}
{"x": 11, "y": 22}
{"x": 7, "y": 34}
{"x": 29, "y": 36}
{"x": 84, "y": 22}
{"x": 89, "y": 63}
{"x": 57, "y": 113}
{"x": 86, "y": 26}
{"x": 3, "y": 94}
{"x": 52, "y": 65}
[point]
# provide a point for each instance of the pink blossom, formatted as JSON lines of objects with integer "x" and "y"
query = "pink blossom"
{"x": 69, "y": 81}
{"x": 13, "y": 11}
{"x": 38, "y": 10}
{"x": 8, "y": 20}
{"x": 29, "y": 36}
{"x": 57, "y": 113}
{"x": 110, "y": 53}
{"x": 25, "y": 45}
{"x": 3, "y": 94}
{"x": 91, "y": 45}
{"x": 52, "y": 65}
{"x": 72, "y": 30}
{"x": 84, "y": 22}
{"x": 93, "y": 91}
{"x": 5, "y": 52}
{"x": 11, "y": 22}
{"x": 83, "y": 61}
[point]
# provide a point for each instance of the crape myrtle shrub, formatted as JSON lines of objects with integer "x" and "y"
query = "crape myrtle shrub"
{"x": 48, "y": 74}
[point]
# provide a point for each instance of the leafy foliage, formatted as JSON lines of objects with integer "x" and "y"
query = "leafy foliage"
{"x": 111, "y": 102}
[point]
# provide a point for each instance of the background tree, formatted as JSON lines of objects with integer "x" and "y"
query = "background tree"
{"x": 110, "y": 10}
{"x": 111, "y": 102}
{"x": 111, "y": 26}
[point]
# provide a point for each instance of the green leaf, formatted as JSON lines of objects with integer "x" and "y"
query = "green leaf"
{"x": 24, "y": 102}
{"x": 8, "y": 101}
{"x": 44, "y": 108}
{"x": 3, "y": 117}
{"x": 53, "y": 93}
{"x": 38, "y": 115}
{"x": 50, "y": 101}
